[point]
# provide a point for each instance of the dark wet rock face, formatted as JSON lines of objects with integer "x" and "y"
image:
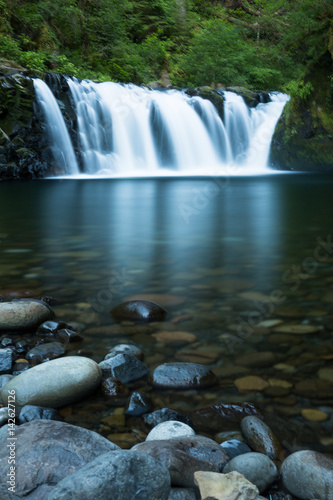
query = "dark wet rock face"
{"x": 29, "y": 413}
{"x": 179, "y": 376}
{"x": 139, "y": 404}
{"x": 114, "y": 391}
{"x": 123, "y": 367}
{"x": 163, "y": 415}
{"x": 45, "y": 352}
{"x": 223, "y": 415}
{"x": 260, "y": 437}
{"x": 139, "y": 310}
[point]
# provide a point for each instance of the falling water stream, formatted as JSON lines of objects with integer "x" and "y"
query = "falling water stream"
{"x": 125, "y": 131}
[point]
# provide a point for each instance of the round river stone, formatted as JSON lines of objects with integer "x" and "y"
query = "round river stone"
{"x": 55, "y": 383}
{"x": 23, "y": 315}
{"x": 308, "y": 474}
{"x": 182, "y": 376}
{"x": 139, "y": 310}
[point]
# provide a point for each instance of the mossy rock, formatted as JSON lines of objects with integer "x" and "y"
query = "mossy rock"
{"x": 303, "y": 138}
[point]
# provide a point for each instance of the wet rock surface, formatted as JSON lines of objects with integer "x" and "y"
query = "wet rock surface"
{"x": 260, "y": 437}
{"x": 45, "y": 352}
{"x": 139, "y": 310}
{"x": 178, "y": 376}
{"x": 123, "y": 367}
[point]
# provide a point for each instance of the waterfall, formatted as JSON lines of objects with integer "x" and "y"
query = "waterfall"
{"x": 59, "y": 139}
{"x": 125, "y": 130}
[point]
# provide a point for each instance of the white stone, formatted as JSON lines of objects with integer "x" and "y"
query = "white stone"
{"x": 55, "y": 383}
{"x": 169, "y": 430}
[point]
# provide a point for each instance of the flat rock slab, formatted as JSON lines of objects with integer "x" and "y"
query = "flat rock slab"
{"x": 46, "y": 452}
{"x": 184, "y": 456}
{"x": 179, "y": 376}
{"x": 121, "y": 475}
{"x": 308, "y": 475}
{"x": 139, "y": 310}
{"x": 23, "y": 315}
{"x": 55, "y": 383}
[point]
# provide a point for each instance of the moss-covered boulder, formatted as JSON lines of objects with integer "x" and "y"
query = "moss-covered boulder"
{"x": 303, "y": 138}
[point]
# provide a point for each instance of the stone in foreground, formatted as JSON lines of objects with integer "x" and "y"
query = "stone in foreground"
{"x": 256, "y": 467}
{"x": 308, "y": 475}
{"x": 46, "y": 452}
{"x": 184, "y": 456}
{"x": 227, "y": 486}
{"x": 139, "y": 310}
{"x": 178, "y": 376}
{"x": 23, "y": 315}
{"x": 121, "y": 475}
{"x": 55, "y": 383}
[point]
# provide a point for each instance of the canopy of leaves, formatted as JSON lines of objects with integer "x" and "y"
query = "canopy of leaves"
{"x": 262, "y": 44}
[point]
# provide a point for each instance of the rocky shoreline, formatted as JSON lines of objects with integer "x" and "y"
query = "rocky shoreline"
{"x": 226, "y": 451}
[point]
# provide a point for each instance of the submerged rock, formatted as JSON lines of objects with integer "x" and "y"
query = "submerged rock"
{"x": 30, "y": 412}
{"x": 308, "y": 474}
{"x": 139, "y": 310}
{"x": 54, "y": 383}
{"x": 23, "y": 315}
{"x": 179, "y": 376}
{"x": 223, "y": 415}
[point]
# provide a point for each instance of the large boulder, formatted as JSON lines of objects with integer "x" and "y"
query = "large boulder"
{"x": 120, "y": 475}
{"x": 47, "y": 451}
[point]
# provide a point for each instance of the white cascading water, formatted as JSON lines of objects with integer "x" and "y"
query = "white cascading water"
{"x": 125, "y": 130}
{"x": 60, "y": 142}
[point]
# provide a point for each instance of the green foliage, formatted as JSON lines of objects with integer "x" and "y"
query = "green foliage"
{"x": 299, "y": 89}
{"x": 261, "y": 44}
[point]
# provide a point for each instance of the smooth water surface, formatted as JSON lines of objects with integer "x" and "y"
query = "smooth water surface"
{"x": 234, "y": 252}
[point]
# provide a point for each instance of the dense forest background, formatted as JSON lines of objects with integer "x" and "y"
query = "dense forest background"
{"x": 260, "y": 44}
